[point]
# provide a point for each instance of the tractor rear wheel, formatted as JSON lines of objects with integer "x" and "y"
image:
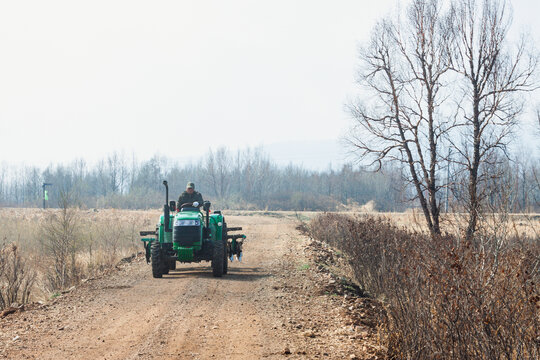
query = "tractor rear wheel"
{"x": 172, "y": 264}
{"x": 157, "y": 266}
{"x": 225, "y": 252}
{"x": 165, "y": 263}
{"x": 217, "y": 258}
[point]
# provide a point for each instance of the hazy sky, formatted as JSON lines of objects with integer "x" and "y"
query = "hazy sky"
{"x": 85, "y": 78}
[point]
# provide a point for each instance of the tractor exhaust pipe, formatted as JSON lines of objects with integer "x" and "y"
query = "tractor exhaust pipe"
{"x": 166, "y": 191}
{"x": 166, "y": 210}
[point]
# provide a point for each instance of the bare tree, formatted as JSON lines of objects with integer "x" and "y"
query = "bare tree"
{"x": 492, "y": 78}
{"x": 217, "y": 171}
{"x": 535, "y": 174}
{"x": 102, "y": 178}
{"x": 60, "y": 241}
{"x": 116, "y": 172}
{"x": 413, "y": 68}
{"x": 405, "y": 65}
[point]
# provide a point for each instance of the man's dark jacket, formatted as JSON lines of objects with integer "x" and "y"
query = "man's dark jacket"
{"x": 186, "y": 197}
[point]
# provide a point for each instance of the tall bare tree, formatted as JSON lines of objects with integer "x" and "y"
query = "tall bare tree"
{"x": 217, "y": 169}
{"x": 492, "y": 78}
{"x": 405, "y": 68}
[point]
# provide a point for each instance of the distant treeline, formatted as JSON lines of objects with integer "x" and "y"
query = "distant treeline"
{"x": 246, "y": 179}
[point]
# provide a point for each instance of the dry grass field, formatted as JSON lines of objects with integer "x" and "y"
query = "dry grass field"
{"x": 96, "y": 241}
{"x": 109, "y": 230}
{"x": 510, "y": 224}
{"x": 101, "y": 238}
{"x": 413, "y": 219}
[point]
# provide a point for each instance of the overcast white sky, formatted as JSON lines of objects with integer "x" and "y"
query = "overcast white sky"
{"x": 85, "y": 78}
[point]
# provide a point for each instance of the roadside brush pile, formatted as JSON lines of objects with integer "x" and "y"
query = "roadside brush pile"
{"x": 445, "y": 298}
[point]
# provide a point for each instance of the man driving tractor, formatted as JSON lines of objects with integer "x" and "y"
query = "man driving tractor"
{"x": 190, "y": 196}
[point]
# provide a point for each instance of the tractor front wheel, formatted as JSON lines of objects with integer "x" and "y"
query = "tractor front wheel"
{"x": 217, "y": 258}
{"x": 157, "y": 260}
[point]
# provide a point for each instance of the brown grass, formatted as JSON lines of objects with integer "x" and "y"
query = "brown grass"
{"x": 101, "y": 238}
{"x": 527, "y": 224}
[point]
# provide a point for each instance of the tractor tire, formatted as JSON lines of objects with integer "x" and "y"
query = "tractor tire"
{"x": 157, "y": 266}
{"x": 165, "y": 264}
{"x": 225, "y": 252}
{"x": 172, "y": 264}
{"x": 217, "y": 258}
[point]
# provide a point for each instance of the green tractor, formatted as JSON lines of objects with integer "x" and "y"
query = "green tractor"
{"x": 186, "y": 234}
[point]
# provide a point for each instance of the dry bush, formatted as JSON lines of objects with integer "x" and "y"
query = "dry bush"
{"x": 60, "y": 240}
{"x": 16, "y": 276}
{"x": 111, "y": 235}
{"x": 445, "y": 298}
{"x": 63, "y": 246}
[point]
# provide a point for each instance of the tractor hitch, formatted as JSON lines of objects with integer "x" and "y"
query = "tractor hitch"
{"x": 147, "y": 240}
{"x": 147, "y": 232}
{"x": 234, "y": 228}
{"x": 234, "y": 243}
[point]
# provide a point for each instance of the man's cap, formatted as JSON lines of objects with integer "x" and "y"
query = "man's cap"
{"x": 190, "y": 185}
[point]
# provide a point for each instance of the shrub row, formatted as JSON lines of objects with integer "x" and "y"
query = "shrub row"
{"x": 445, "y": 298}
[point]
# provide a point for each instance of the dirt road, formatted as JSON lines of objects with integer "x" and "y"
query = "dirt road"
{"x": 267, "y": 306}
